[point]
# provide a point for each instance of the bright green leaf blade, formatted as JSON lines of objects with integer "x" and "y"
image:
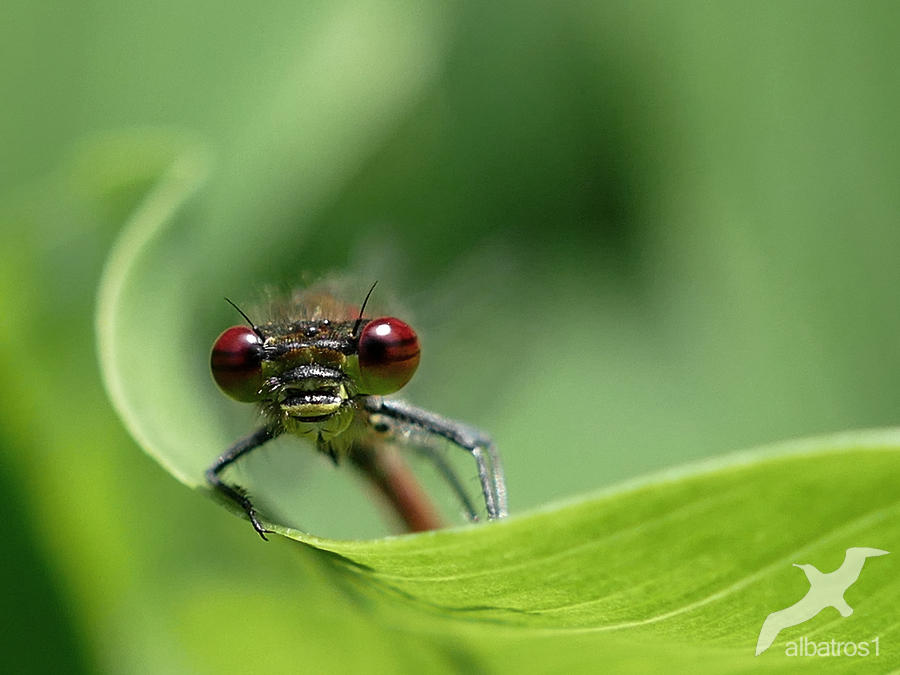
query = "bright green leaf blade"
{"x": 698, "y": 556}
{"x": 694, "y": 560}
{"x": 684, "y": 568}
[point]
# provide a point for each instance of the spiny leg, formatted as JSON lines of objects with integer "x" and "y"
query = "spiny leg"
{"x": 449, "y": 475}
{"x": 239, "y": 449}
{"x": 476, "y": 443}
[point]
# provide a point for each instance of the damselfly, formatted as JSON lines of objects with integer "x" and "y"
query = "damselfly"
{"x": 319, "y": 369}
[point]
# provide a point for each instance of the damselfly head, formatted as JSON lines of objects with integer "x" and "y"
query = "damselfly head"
{"x": 306, "y": 368}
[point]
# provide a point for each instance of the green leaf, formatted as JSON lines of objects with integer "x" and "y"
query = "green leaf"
{"x": 681, "y": 567}
{"x": 672, "y": 574}
{"x": 698, "y": 556}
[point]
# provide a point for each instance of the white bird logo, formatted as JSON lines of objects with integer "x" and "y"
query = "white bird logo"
{"x": 825, "y": 590}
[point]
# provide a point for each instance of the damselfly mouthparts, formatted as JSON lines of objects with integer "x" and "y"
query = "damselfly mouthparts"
{"x": 321, "y": 371}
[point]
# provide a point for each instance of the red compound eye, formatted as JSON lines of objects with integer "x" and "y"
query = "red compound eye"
{"x": 236, "y": 363}
{"x": 388, "y": 355}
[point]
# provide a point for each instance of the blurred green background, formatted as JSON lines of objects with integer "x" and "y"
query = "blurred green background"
{"x": 630, "y": 234}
